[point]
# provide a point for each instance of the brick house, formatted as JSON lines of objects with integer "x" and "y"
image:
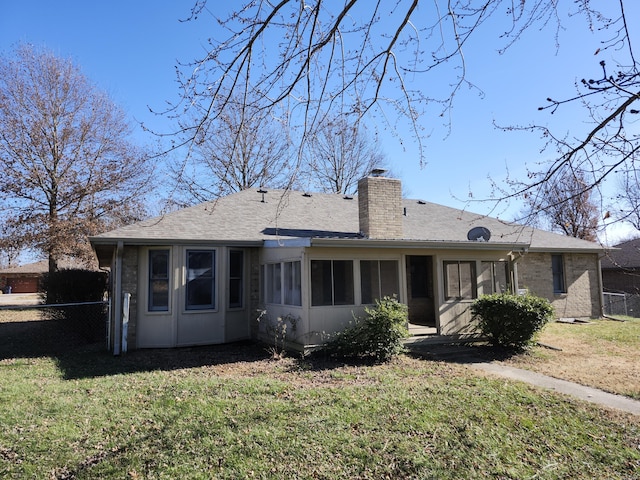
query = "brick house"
{"x": 200, "y": 275}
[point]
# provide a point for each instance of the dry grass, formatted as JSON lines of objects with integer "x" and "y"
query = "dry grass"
{"x": 604, "y": 354}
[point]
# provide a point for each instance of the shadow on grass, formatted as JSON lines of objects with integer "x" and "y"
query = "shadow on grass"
{"x": 76, "y": 358}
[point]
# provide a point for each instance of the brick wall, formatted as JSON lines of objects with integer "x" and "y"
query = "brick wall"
{"x": 380, "y": 207}
{"x": 582, "y": 298}
{"x": 254, "y": 290}
{"x": 130, "y": 285}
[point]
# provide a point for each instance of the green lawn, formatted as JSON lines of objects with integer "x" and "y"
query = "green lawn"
{"x": 232, "y": 412}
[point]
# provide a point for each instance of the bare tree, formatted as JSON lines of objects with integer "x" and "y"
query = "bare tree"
{"x": 338, "y": 154}
{"x": 243, "y": 147}
{"x": 68, "y": 170}
{"x": 564, "y": 205}
{"x": 373, "y": 59}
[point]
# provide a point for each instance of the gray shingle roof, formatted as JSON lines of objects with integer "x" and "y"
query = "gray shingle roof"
{"x": 243, "y": 218}
{"x": 623, "y": 255}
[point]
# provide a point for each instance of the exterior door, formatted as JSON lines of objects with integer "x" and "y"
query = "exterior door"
{"x": 420, "y": 297}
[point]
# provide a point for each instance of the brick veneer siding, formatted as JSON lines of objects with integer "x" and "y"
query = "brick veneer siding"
{"x": 582, "y": 298}
{"x": 380, "y": 207}
{"x": 130, "y": 285}
{"x": 254, "y": 290}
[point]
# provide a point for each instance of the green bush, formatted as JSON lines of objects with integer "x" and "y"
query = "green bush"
{"x": 377, "y": 335}
{"x": 511, "y": 320}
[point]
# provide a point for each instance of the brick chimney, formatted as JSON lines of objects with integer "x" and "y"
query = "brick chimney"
{"x": 380, "y": 207}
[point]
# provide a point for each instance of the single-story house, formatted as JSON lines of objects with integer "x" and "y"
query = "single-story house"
{"x": 201, "y": 275}
{"x": 621, "y": 268}
{"x": 27, "y": 278}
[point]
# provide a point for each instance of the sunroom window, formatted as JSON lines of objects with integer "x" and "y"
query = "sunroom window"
{"x": 460, "y": 280}
{"x": 200, "y": 293}
{"x": 158, "y": 280}
{"x": 332, "y": 282}
{"x": 378, "y": 278}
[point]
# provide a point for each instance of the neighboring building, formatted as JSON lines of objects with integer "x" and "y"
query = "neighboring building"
{"x": 201, "y": 275}
{"x": 28, "y": 277}
{"x": 621, "y": 268}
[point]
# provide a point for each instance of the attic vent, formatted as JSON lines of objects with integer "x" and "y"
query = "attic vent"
{"x": 421, "y": 202}
{"x": 347, "y": 197}
{"x": 305, "y": 194}
{"x": 262, "y": 192}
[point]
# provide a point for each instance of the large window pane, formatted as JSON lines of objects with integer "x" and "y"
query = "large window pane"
{"x": 389, "y": 281}
{"x": 494, "y": 277}
{"x": 158, "y": 280}
{"x": 236, "y": 278}
{"x": 332, "y": 282}
{"x": 293, "y": 284}
{"x": 378, "y": 278}
{"x": 321, "y": 283}
{"x": 460, "y": 280}
{"x": 274, "y": 283}
{"x": 343, "y": 282}
{"x": 200, "y": 279}
{"x": 369, "y": 280}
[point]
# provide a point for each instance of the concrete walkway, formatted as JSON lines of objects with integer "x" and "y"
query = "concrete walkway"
{"x": 464, "y": 355}
{"x": 576, "y": 390}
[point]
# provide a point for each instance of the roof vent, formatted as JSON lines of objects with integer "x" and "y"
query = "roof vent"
{"x": 306, "y": 194}
{"x": 347, "y": 197}
{"x": 479, "y": 234}
{"x": 262, "y": 192}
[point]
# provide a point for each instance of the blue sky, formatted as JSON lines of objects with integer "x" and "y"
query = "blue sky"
{"x": 130, "y": 49}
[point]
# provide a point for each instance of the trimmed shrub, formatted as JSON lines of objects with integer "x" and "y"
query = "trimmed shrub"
{"x": 377, "y": 335}
{"x": 511, "y": 320}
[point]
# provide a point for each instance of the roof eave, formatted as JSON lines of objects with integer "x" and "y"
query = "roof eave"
{"x": 403, "y": 243}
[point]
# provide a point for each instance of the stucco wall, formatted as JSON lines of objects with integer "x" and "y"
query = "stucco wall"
{"x": 583, "y": 296}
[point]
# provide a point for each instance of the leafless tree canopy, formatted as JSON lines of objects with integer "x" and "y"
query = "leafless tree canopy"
{"x": 68, "y": 170}
{"x": 564, "y": 205}
{"x": 308, "y": 60}
{"x": 339, "y": 154}
{"x": 243, "y": 147}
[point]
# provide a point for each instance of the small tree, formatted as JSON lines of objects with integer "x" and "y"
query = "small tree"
{"x": 377, "y": 335}
{"x": 511, "y": 320}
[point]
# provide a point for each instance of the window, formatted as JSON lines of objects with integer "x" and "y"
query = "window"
{"x": 459, "y": 280}
{"x": 378, "y": 278}
{"x": 158, "y": 280}
{"x": 494, "y": 277}
{"x": 292, "y": 284}
{"x": 331, "y": 282}
{"x": 200, "y": 280}
{"x": 274, "y": 283}
{"x": 236, "y": 278}
{"x": 557, "y": 266}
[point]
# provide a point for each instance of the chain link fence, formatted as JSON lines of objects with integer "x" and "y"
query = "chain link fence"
{"x": 69, "y": 324}
{"x": 621, "y": 304}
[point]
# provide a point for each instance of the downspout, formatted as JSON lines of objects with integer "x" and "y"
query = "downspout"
{"x": 601, "y": 287}
{"x": 117, "y": 300}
